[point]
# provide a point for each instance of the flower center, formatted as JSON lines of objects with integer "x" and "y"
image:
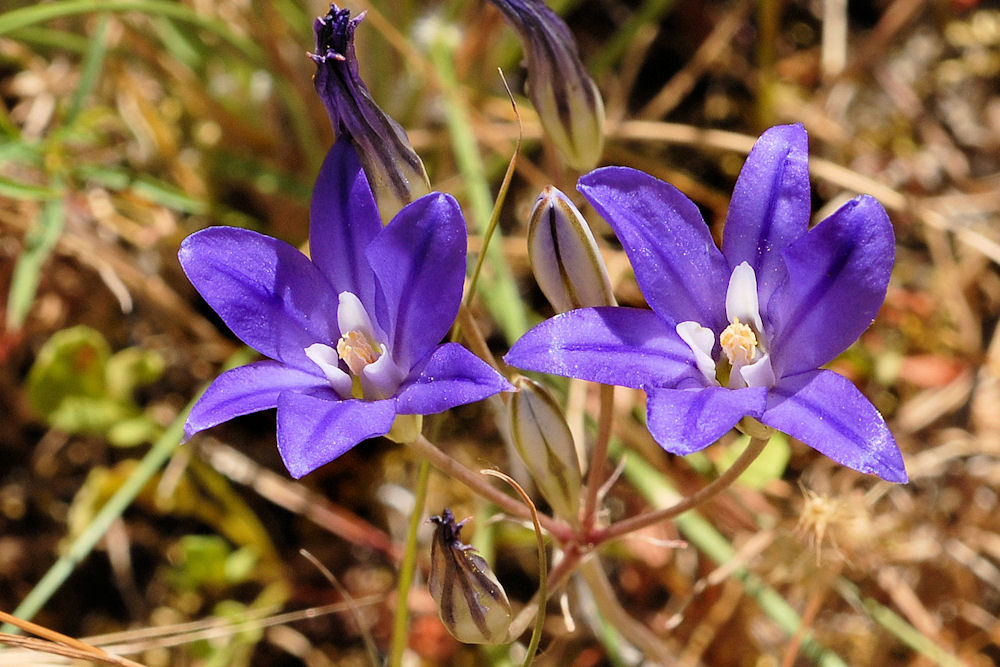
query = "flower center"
{"x": 739, "y": 343}
{"x": 357, "y": 351}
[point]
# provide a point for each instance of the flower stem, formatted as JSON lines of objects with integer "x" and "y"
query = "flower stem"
{"x": 452, "y": 468}
{"x": 599, "y": 455}
{"x": 401, "y": 621}
{"x": 621, "y": 528}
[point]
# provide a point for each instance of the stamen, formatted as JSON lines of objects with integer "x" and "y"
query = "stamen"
{"x": 356, "y": 351}
{"x": 739, "y": 343}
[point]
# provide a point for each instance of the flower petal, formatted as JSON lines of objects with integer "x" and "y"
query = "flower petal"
{"x": 770, "y": 206}
{"x": 688, "y": 420}
{"x": 628, "y": 347}
{"x": 343, "y": 220}
{"x": 837, "y": 277}
{"x": 240, "y": 391}
{"x": 315, "y": 429}
{"x": 679, "y": 270}
{"x": 827, "y": 412}
{"x": 701, "y": 340}
{"x": 419, "y": 259}
{"x": 451, "y": 376}
{"x": 272, "y": 297}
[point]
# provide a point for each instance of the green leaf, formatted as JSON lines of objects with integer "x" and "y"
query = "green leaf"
{"x": 70, "y": 363}
{"x": 130, "y": 368}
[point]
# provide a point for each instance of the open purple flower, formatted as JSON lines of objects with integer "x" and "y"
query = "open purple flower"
{"x": 739, "y": 332}
{"x": 352, "y": 334}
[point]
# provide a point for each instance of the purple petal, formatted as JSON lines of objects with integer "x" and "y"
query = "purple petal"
{"x": 770, "y": 206}
{"x": 837, "y": 277}
{"x": 272, "y": 297}
{"x": 628, "y": 347}
{"x": 314, "y": 430}
{"x": 827, "y": 412}
{"x": 688, "y": 420}
{"x": 451, "y": 376}
{"x": 343, "y": 221}
{"x": 419, "y": 259}
{"x": 246, "y": 389}
{"x": 679, "y": 270}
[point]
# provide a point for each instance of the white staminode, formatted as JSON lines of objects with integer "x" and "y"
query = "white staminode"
{"x": 360, "y": 349}
{"x": 742, "y": 342}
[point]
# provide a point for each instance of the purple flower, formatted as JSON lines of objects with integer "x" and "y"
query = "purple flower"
{"x": 352, "y": 334}
{"x": 394, "y": 170}
{"x": 739, "y": 332}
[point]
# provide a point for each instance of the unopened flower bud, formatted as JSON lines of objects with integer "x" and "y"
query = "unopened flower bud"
{"x": 394, "y": 170}
{"x": 472, "y": 603}
{"x": 567, "y": 265}
{"x": 565, "y": 97}
{"x": 545, "y": 443}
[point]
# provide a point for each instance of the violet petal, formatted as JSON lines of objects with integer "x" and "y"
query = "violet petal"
{"x": 419, "y": 261}
{"x": 683, "y": 421}
{"x": 343, "y": 220}
{"x": 837, "y": 277}
{"x": 312, "y": 431}
{"x": 770, "y": 206}
{"x": 827, "y": 412}
{"x": 629, "y": 347}
{"x": 679, "y": 269}
{"x": 245, "y": 389}
{"x": 272, "y": 297}
{"x": 450, "y": 376}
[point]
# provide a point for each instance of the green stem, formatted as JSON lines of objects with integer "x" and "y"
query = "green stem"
{"x": 401, "y": 621}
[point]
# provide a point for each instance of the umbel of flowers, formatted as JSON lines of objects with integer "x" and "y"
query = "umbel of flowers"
{"x": 351, "y": 334}
{"x": 736, "y": 334}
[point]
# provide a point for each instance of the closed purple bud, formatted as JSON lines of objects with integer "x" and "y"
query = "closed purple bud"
{"x": 565, "y": 97}
{"x": 567, "y": 265}
{"x": 472, "y": 603}
{"x": 394, "y": 170}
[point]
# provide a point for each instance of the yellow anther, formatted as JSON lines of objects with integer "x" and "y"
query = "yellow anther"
{"x": 356, "y": 351}
{"x": 739, "y": 343}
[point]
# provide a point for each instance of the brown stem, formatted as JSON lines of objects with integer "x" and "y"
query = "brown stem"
{"x": 748, "y": 456}
{"x": 600, "y": 453}
{"x": 477, "y": 483}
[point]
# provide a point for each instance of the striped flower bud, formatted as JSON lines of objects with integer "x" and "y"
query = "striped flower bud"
{"x": 545, "y": 443}
{"x": 472, "y": 603}
{"x": 396, "y": 174}
{"x": 565, "y": 97}
{"x": 567, "y": 265}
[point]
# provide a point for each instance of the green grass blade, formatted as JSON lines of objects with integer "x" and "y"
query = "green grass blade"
{"x": 93, "y": 61}
{"x": 41, "y": 13}
{"x": 499, "y": 290}
{"x": 15, "y": 190}
{"x": 38, "y": 245}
